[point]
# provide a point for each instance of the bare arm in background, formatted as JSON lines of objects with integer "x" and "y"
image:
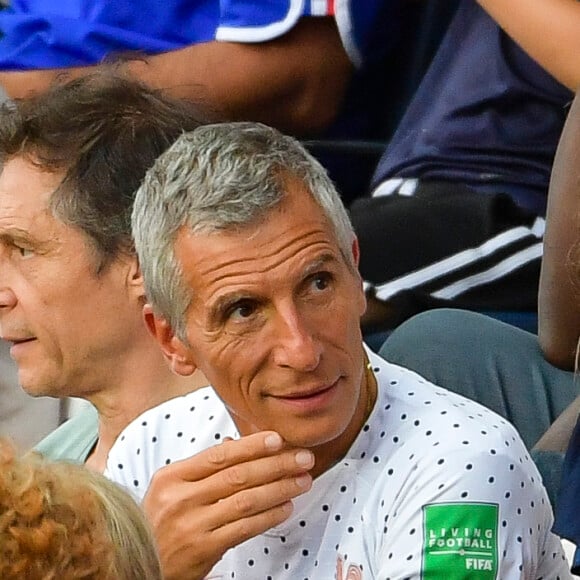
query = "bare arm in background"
{"x": 548, "y": 30}
{"x": 295, "y": 82}
{"x": 559, "y": 296}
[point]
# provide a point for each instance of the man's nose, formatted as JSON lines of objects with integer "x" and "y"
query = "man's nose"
{"x": 7, "y": 297}
{"x": 296, "y": 345}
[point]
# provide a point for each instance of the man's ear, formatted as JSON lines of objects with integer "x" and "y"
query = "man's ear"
{"x": 177, "y": 354}
{"x": 356, "y": 257}
{"x": 355, "y": 251}
{"x": 135, "y": 279}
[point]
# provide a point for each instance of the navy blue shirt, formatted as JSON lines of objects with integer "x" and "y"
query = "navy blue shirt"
{"x": 485, "y": 115}
{"x": 567, "y": 521}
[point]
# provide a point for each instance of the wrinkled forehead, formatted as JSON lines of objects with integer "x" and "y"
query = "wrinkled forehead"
{"x": 27, "y": 199}
{"x": 25, "y": 170}
{"x": 275, "y": 248}
{"x": 25, "y": 190}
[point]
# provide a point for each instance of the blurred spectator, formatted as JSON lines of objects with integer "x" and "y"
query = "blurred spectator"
{"x": 59, "y": 520}
{"x": 24, "y": 419}
{"x": 459, "y": 197}
{"x": 560, "y": 308}
{"x": 71, "y": 293}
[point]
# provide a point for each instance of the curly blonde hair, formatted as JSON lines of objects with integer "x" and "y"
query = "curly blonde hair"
{"x": 62, "y": 521}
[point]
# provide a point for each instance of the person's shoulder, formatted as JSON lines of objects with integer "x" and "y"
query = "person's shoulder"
{"x": 74, "y": 439}
{"x": 196, "y": 406}
{"x": 170, "y": 432}
{"x": 449, "y": 447}
{"x": 174, "y": 430}
{"x": 448, "y": 433}
{"x": 418, "y": 408}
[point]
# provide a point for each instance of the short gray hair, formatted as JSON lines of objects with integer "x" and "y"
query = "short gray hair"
{"x": 220, "y": 177}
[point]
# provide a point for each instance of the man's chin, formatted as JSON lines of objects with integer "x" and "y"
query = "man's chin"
{"x": 34, "y": 387}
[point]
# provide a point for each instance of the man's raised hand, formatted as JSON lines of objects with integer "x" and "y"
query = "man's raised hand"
{"x": 204, "y": 505}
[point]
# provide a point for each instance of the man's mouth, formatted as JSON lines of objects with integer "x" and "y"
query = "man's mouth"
{"x": 308, "y": 394}
{"x": 18, "y": 344}
{"x": 310, "y": 400}
{"x": 16, "y": 341}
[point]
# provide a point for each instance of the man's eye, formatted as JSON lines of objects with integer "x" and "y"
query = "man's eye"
{"x": 242, "y": 310}
{"x": 321, "y": 281}
{"x": 24, "y": 252}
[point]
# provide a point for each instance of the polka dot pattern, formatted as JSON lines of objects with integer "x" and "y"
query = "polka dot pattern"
{"x": 422, "y": 446}
{"x": 165, "y": 434}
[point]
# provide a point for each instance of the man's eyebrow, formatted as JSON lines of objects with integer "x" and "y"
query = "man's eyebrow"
{"x": 225, "y": 302}
{"x": 15, "y": 234}
{"x": 319, "y": 263}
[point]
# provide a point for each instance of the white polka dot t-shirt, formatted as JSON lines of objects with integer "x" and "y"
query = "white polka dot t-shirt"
{"x": 434, "y": 487}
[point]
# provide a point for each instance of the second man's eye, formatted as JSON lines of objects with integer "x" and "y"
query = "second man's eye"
{"x": 242, "y": 310}
{"x": 321, "y": 281}
{"x": 24, "y": 252}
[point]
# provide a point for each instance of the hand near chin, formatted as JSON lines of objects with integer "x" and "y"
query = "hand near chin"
{"x": 204, "y": 505}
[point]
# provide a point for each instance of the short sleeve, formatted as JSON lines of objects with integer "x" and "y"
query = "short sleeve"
{"x": 366, "y": 28}
{"x": 466, "y": 514}
{"x": 243, "y": 21}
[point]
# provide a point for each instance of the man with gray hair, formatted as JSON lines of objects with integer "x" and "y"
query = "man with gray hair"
{"x": 250, "y": 264}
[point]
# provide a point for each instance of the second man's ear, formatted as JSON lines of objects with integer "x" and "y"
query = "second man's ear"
{"x": 355, "y": 252}
{"x": 176, "y": 353}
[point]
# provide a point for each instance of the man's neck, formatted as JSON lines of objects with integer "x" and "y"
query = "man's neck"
{"x": 118, "y": 406}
